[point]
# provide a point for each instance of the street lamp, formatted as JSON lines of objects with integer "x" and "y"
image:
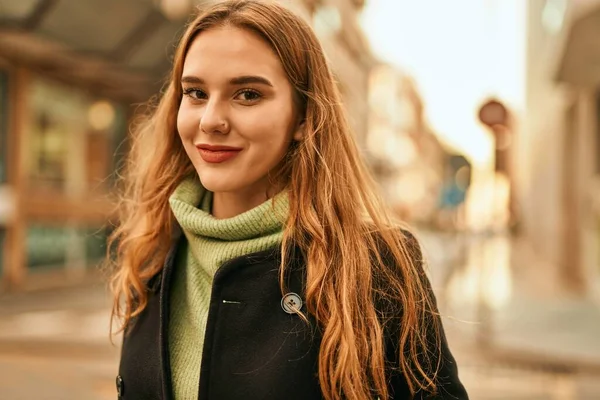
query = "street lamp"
{"x": 498, "y": 119}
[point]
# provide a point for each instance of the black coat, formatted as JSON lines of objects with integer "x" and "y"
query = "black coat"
{"x": 253, "y": 349}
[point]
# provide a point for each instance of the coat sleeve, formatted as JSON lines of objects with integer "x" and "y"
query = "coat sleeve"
{"x": 449, "y": 386}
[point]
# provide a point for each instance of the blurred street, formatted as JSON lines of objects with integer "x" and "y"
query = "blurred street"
{"x": 514, "y": 333}
{"x": 535, "y": 346}
{"x": 54, "y": 345}
{"x": 480, "y": 122}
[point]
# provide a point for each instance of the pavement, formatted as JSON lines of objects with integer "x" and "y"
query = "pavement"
{"x": 55, "y": 345}
{"x": 79, "y": 314}
{"x": 496, "y": 295}
{"x": 514, "y": 335}
{"x": 32, "y": 376}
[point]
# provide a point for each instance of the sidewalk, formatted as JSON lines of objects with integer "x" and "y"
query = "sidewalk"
{"x": 54, "y": 345}
{"x": 561, "y": 329}
{"x": 491, "y": 289}
{"x": 73, "y": 320}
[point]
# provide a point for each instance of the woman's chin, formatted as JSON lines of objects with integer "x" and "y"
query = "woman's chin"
{"x": 216, "y": 182}
{"x": 214, "y": 186}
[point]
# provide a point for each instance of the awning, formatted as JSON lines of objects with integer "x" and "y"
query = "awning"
{"x": 121, "y": 48}
{"x": 580, "y": 60}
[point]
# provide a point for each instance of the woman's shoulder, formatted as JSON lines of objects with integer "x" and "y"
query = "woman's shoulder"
{"x": 398, "y": 239}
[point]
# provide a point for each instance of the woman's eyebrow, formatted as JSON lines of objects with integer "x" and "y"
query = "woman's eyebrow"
{"x": 240, "y": 80}
{"x": 192, "y": 79}
{"x": 244, "y": 80}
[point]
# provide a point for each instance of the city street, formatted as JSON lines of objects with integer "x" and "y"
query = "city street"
{"x": 56, "y": 377}
{"x": 479, "y": 124}
{"x": 54, "y": 345}
{"x": 515, "y": 333}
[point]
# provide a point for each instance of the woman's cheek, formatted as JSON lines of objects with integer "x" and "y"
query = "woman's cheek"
{"x": 186, "y": 121}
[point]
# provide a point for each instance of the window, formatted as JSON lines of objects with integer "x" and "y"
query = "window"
{"x": 72, "y": 139}
{"x": 52, "y": 246}
{"x": 46, "y": 246}
{"x": 75, "y": 142}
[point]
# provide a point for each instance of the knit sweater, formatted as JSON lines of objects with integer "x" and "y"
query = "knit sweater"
{"x": 209, "y": 243}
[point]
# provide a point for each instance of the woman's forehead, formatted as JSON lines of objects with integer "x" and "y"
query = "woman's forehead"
{"x": 229, "y": 52}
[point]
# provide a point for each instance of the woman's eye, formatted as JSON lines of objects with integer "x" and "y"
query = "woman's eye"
{"x": 195, "y": 94}
{"x": 248, "y": 95}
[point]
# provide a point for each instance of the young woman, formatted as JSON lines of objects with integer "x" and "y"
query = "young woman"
{"x": 255, "y": 260}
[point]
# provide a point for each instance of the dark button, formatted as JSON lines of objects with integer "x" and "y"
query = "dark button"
{"x": 120, "y": 386}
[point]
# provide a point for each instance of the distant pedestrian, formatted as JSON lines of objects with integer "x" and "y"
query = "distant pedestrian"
{"x": 254, "y": 259}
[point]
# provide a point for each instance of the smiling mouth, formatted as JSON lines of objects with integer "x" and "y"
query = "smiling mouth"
{"x": 217, "y": 154}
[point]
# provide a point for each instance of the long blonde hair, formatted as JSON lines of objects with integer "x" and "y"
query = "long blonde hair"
{"x": 364, "y": 278}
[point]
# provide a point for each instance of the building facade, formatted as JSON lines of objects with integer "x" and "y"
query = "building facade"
{"x": 71, "y": 75}
{"x": 408, "y": 160}
{"x": 336, "y": 24}
{"x": 559, "y": 157}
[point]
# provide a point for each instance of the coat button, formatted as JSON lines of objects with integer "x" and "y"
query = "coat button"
{"x": 120, "y": 386}
{"x": 291, "y": 303}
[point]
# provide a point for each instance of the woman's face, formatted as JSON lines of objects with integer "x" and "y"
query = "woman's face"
{"x": 237, "y": 116}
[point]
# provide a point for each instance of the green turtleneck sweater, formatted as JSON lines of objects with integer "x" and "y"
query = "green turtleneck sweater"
{"x": 210, "y": 242}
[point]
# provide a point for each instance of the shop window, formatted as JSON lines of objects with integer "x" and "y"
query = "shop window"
{"x": 46, "y": 246}
{"x": 59, "y": 246}
{"x": 72, "y": 139}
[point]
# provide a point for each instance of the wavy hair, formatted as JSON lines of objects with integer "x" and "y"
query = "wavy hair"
{"x": 364, "y": 279}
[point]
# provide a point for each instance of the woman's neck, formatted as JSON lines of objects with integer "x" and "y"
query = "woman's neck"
{"x": 229, "y": 204}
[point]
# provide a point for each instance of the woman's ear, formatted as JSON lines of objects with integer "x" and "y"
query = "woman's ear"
{"x": 300, "y": 130}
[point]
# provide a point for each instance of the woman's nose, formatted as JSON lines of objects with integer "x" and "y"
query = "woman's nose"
{"x": 214, "y": 118}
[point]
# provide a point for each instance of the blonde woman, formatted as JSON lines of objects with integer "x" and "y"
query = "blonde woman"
{"x": 254, "y": 259}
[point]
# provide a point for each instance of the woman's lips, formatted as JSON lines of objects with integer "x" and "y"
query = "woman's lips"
{"x": 217, "y": 154}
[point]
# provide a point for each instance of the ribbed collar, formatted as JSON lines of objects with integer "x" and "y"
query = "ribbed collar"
{"x": 265, "y": 219}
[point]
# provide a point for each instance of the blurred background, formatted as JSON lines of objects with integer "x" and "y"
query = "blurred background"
{"x": 479, "y": 118}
